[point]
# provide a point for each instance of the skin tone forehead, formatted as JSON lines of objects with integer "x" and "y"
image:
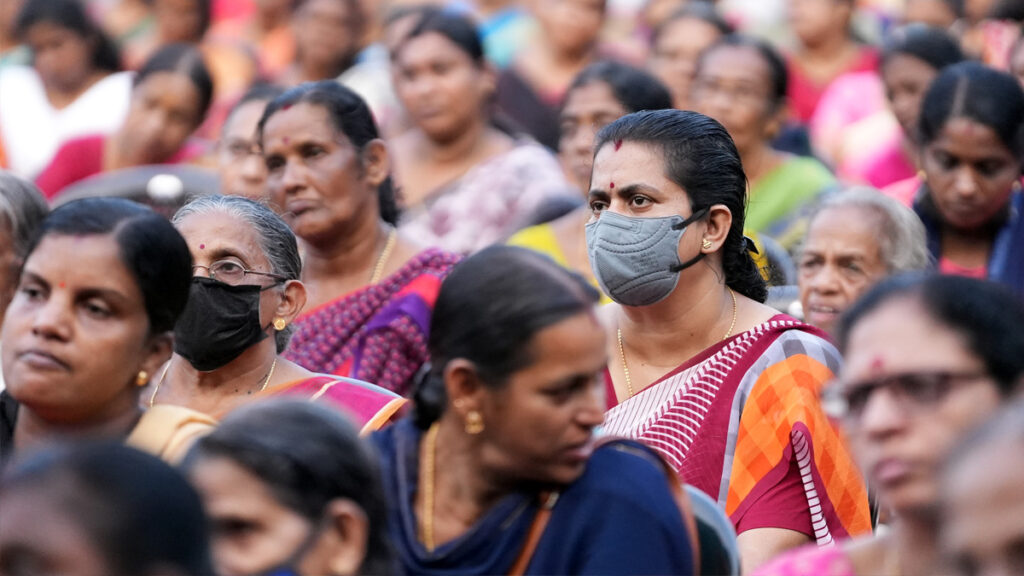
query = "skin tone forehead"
{"x": 736, "y": 63}
{"x": 627, "y": 164}
{"x": 848, "y": 230}
{"x": 972, "y": 140}
{"x": 593, "y": 98}
{"x": 687, "y": 33}
{"x": 85, "y": 263}
{"x": 241, "y": 125}
{"x": 216, "y": 235}
{"x": 887, "y": 341}
{"x": 294, "y": 125}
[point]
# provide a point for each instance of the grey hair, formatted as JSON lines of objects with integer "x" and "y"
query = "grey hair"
{"x": 901, "y": 236}
{"x": 22, "y": 209}
{"x": 276, "y": 238}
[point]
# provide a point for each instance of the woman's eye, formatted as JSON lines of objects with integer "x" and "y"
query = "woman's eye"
{"x": 639, "y": 201}
{"x": 274, "y": 163}
{"x": 96, "y": 309}
{"x": 32, "y": 292}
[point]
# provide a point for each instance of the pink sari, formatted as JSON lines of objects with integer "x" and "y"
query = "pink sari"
{"x": 368, "y": 406}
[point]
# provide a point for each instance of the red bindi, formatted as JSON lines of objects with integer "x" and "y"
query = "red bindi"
{"x": 286, "y": 107}
{"x": 611, "y": 185}
{"x": 618, "y": 144}
{"x": 62, "y": 285}
{"x": 202, "y": 246}
{"x": 877, "y": 364}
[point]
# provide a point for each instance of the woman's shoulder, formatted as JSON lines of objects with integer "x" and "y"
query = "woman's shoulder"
{"x": 616, "y": 458}
{"x": 793, "y": 337}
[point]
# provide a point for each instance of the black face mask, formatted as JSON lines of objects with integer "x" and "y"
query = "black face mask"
{"x": 219, "y": 323}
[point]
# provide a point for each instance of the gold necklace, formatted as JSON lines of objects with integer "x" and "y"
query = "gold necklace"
{"x": 427, "y": 483}
{"x": 622, "y": 351}
{"x": 163, "y": 374}
{"x": 389, "y": 245}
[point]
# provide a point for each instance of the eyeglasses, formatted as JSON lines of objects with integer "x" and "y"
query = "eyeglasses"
{"x": 912, "y": 391}
{"x": 233, "y": 273}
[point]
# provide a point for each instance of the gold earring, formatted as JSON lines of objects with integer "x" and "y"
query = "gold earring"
{"x": 474, "y": 422}
{"x": 280, "y": 324}
{"x": 705, "y": 244}
{"x": 142, "y": 378}
{"x": 922, "y": 175}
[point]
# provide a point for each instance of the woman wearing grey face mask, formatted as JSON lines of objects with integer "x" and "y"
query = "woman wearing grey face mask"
{"x": 723, "y": 386}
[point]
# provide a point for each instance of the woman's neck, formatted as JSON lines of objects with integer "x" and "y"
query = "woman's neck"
{"x": 828, "y": 48}
{"x": 758, "y": 162}
{"x": 115, "y": 422}
{"x": 679, "y": 327}
{"x": 463, "y": 148}
{"x": 913, "y": 545}
{"x": 463, "y": 491}
{"x": 345, "y": 254}
{"x": 62, "y": 98}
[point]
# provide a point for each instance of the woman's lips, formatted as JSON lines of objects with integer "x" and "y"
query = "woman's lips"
{"x": 41, "y": 360}
{"x": 891, "y": 471}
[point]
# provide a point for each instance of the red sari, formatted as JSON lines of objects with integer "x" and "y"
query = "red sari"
{"x": 742, "y": 422}
{"x": 368, "y": 406}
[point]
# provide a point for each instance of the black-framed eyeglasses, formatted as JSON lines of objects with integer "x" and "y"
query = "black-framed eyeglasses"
{"x": 912, "y": 391}
{"x": 233, "y": 273}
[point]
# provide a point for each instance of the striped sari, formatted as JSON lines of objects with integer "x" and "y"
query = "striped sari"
{"x": 368, "y": 406}
{"x": 742, "y": 422}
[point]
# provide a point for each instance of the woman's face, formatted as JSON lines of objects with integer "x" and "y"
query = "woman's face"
{"x": 937, "y": 389}
{"x": 814, "y": 20}
{"x": 241, "y": 167}
{"x": 840, "y": 260}
{"x": 674, "y": 56}
{"x": 215, "y": 237}
{"x": 970, "y": 173}
{"x": 442, "y": 89}
{"x": 539, "y": 424}
{"x": 734, "y": 86}
{"x": 906, "y": 80}
{"x": 316, "y": 176}
{"x": 252, "y": 532}
{"x": 178, "y": 21}
{"x": 327, "y": 32}
{"x": 77, "y": 334}
{"x": 983, "y": 520}
{"x": 61, "y": 56}
{"x": 571, "y": 26}
{"x": 164, "y": 111}
{"x": 37, "y": 536}
{"x": 587, "y": 109}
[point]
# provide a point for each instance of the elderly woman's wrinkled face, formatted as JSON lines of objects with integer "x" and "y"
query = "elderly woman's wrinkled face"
{"x": 734, "y": 86}
{"x": 970, "y": 173}
{"x": 983, "y": 520}
{"x": 76, "y": 333}
{"x": 539, "y": 425}
{"x": 321, "y": 182}
{"x": 841, "y": 258}
{"x": 913, "y": 390}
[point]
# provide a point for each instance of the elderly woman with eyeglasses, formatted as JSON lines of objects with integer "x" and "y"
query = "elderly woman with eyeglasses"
{"x": 926, "y": 360}
{"x": 245, "y": 293}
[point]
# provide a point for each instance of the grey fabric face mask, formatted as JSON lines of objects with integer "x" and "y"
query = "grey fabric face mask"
{"x": 636, "y": 260}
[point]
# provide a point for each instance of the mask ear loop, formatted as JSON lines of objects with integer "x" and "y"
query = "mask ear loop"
{"x": 681, "y": 225}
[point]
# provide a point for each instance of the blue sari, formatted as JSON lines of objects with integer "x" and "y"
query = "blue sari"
{"x": 619, "y": 517}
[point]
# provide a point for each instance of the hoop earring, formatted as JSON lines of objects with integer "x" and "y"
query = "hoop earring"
{"x": 474, "y": 423}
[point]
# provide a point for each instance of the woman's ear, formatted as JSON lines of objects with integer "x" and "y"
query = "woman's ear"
{"x": 376, "y": 162}
{"x": 719, "y": 221}
{"x": 776, "y": 120}
{"x": 352, "y": 530}
{"x": 463, "y": 386}
{"x": 157, "y": 352}
{"x": 293, "y": 300}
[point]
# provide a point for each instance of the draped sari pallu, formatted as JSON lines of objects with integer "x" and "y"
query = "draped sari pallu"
{"x": 742, "y": 422}
{"x": 368, "y": 406}
{"x": 378, "y": 333}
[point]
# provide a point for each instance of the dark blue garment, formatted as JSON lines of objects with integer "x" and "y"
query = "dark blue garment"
{"x": 1006, "y": 261}
{"x": 619, "y": 517}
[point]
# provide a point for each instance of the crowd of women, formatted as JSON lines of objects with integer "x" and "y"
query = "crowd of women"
{"x": 488, "y": 287}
